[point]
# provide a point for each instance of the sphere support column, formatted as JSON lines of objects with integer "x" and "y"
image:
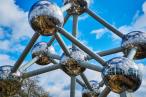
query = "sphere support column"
{"x": 126, "y": 94}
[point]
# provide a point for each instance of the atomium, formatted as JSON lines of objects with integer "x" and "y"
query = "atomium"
{"x": 135, "y": 39}
{"x": 121, "y": 75}
{"x": 41, "y": 50}
{"x": 79, "y": 6}
{"x": 96, "y": 91}
{"x": 44, "y": 16}
{"x": 10, "y": 84}
{"x": 70, "y": 63}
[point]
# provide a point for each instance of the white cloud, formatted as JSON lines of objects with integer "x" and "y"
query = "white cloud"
{"x": 15, "y": 18}
{"x": 138, "y": 23}
{"x": 4, "y": 45}
{"x": 99, "y": 33}
{"x": 5, "y": 60}
{"x": 83, "y": 17}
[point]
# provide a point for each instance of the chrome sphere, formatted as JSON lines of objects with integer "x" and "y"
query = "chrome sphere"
{"x": 70, "y": 63}
{"x": 95, "y": 86}
{"x": 41, "y": 50}
{"x": 10, "y": 84}
{"x": 44, "y": 16}
{"x": 79, "y": 6}
{"x": 122, "y": 74}
{"x": 135, "y": 39}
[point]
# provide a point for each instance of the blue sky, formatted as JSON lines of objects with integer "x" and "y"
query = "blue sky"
{"x": 15, "y": 33}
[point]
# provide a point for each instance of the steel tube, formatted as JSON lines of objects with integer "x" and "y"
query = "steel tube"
{"x": 81, "y": 46}
{"x": 101, "y": 83}
{"x": 29, "y": 63}
{"x": 80, "y": 83}
{"x": 105, "y": 92}
{"x": 66, "y": 18}
{"x": 66, "y": 7}
{"x": 72, "y": 86}
{"x": 41, "y": 71}
{"x": 132, "y": 53}
{"x": 107, "y": 52}
{"x": 103, "y": 22}
{"x": 62, "y": 44}
{"x": 54, "y": 56}
{"x": 75, "y": 27}
{"x": 53, "y": 37}
{"x": 25, "y": 52}
{"x": 86, "y": 81}
{"x": 51, "y": 41}
{"x": 91, "y": 66}
{"x": 126, "y": 94}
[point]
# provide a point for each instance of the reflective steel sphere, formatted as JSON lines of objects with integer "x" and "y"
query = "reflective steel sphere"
{"x": 10, "y": 84}
{"x": 95, "y": 86}
{"x": 79, "y": 6}
{"x": 135, "y": 39}
{"x": 70, "y": 63}
{"x": 44, "y": 16}
{"x": 122, "y": 74}
{"x": 41, "y": 50}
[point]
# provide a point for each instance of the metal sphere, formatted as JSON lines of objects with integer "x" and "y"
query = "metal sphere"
{"x": 135, "y": 39}
{"x": 122, "y": 74}
{"x": 70, "y": 63}
{"x": 10, "y": 84}
{"x": 95, "y": 86}
{"x": 79, "y": 6}
{"x": 41, "y": 50}
{"x": 44, "y": 16}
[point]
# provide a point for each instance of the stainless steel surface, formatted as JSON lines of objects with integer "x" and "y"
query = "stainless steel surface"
{"x": 81, "y": 46}
{"x": 70, "y": 63}
{"x": 96, "y": 91}
{"x": 122, "y": 74}
{"x": 135, "y": 39}
{"x": 78, "y": 6}
{"x": 41, "y": 50}
{"x": 44, "y": 15}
